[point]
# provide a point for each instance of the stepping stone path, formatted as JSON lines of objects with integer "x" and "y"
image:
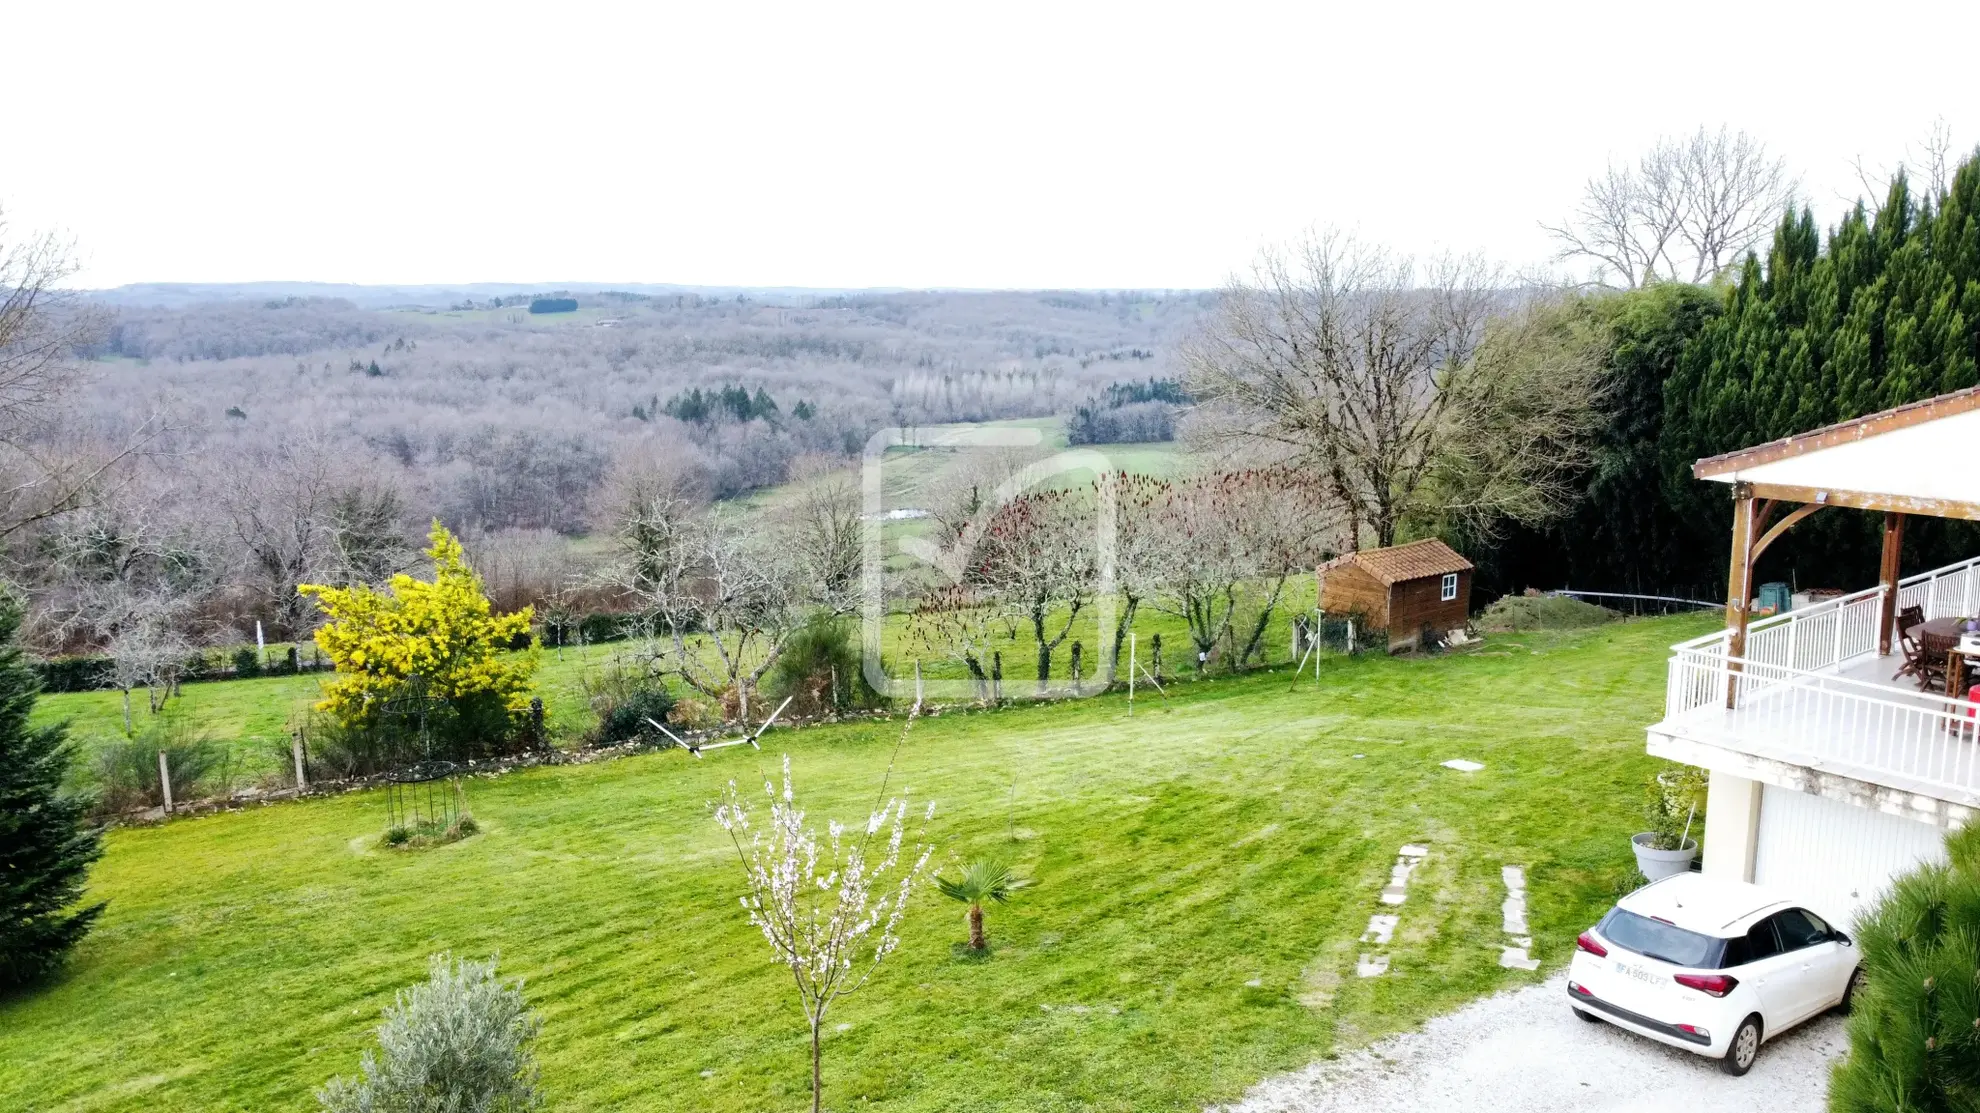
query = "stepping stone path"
{"x": 1512, "y": 915}
{"x": 1382, "y": 926}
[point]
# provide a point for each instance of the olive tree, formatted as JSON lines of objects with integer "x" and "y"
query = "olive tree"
{"x": 462, "y": 1041}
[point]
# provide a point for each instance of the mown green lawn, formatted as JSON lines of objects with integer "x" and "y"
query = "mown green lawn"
{"x": 1203, "y": 872}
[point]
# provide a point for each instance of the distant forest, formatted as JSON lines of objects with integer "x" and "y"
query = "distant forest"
{"x": 508, "y": 411}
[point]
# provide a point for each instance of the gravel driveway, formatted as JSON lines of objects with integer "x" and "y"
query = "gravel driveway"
{"x": 1524, "y": 1052}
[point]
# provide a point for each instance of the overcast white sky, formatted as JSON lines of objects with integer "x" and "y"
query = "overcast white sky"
{"x": 924, "y": 144}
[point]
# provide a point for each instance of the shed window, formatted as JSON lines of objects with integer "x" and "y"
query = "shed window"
{"x": 1449, "y": 586}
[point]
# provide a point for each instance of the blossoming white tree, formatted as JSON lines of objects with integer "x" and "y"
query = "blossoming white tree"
{"x": 831, "y": 910}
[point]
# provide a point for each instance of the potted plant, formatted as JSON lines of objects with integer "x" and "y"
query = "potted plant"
{"x": 1667, "y": 848}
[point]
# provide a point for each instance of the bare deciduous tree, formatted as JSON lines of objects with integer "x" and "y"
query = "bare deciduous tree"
{"x": 128, "y": 584}
{"x": 368, "y": 521}
{"x": 823, "y": 526}
{"x": 1201, "y": 562}
{"x": 707, "y": 581}
{"x": 47, "y": 470}
{"x": 299, "y": 513}
{"x": 1334, "y": 358}
{"x": 1140, "y": 538}
{"x": 1932, "y": 163}
{"x": 1286, "y": 524}
{"x": 958, "y": 622}
{"x": 1696, "y": 203}
{"x": 525, "y": 568}
{"x": 1038, "y": 556}
{"x": 276, "y": 500}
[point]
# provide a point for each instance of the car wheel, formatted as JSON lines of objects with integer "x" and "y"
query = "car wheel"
{"x": 1745, "y": 1047}
{"x": 1850, "y": 991}
{"x": 1587, "y": 1016}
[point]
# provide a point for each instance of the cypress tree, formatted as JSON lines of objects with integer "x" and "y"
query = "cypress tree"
{"x": 1885, "y": 313}
{"x": 46, "y": 839}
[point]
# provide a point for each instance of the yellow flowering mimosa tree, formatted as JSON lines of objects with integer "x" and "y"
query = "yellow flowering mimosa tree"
{"x": 442, "y": 634}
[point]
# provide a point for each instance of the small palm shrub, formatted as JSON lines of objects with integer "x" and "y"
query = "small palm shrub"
{"x": 460, "y": 1043}
{"x": 1914, "y": 1025}
{"x": 981, "y": 881}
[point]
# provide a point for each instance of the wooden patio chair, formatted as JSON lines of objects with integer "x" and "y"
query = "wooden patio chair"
{"x": 1928, "y": 669}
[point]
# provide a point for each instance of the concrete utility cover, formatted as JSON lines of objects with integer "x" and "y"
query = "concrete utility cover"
{"x": 1524, "y": 1052}
{"x": 1462, "y": 765}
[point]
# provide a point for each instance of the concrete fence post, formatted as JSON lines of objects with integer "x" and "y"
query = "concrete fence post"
{"x": 165, "y": 780}
{"x": 296, "y": 751}
{"x": 1131, "y": 665}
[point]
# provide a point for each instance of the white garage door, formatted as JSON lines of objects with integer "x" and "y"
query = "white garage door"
{"x": 1835, "y": 856}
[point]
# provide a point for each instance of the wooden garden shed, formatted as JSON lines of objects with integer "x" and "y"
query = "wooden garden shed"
{"x": 1401, "y": 589}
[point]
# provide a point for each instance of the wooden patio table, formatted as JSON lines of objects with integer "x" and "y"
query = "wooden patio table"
{"x": 1942, "y": 635}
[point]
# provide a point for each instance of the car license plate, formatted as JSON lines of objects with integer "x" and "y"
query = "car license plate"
{"x": 1631, "y": 970}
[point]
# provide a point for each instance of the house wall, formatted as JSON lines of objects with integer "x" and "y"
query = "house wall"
{"x": 1416, "y": 603}
{"x": 1836, "y": 858}
{"x": 1349, "y": 589}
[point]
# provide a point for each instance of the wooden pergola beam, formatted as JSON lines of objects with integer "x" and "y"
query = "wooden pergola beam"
{"x": 1785, "y": 524}
{"x": 1867, "y": 500}
{"x": 1845, "y": 432}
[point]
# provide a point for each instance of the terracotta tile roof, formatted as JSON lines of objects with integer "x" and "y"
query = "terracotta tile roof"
{"x": 1414, "y": 561}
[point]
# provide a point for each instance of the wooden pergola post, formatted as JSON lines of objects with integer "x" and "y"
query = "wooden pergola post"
{"x": 1739, "y": 581}
{"x": 1887, "y": 575}
{"x": 1739, "y": 587}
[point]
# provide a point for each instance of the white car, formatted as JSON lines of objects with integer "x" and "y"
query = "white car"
{"x": 1714, "y": 967}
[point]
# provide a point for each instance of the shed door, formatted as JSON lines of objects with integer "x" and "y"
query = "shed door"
{"x": 1836, "y": 857}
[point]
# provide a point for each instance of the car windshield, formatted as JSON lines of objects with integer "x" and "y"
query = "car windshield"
{"x": 1659, "y": 940}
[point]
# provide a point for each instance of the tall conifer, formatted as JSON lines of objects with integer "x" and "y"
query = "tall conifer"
{"x": 1886, "y": 312}
{"x": 47, "y": 841}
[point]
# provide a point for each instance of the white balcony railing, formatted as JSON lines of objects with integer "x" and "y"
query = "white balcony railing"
{"x": 1802, "y": 691}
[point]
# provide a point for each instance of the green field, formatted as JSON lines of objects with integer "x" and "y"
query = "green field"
{"x": 1203, "y": 872}
{"x": 256, "y": 718}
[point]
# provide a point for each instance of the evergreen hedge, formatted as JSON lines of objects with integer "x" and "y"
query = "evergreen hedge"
{"x": 1885, "y": 313}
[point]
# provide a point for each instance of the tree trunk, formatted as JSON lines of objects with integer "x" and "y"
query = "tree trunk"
{"x": 127, "y": 711}
{"x": 976, "y": 940}
{"x": 817, "y": 1075}
{"x": 1044, "y": 647}
{"x": 1122, "y": 626}
{"x": 1257, "y": 638}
